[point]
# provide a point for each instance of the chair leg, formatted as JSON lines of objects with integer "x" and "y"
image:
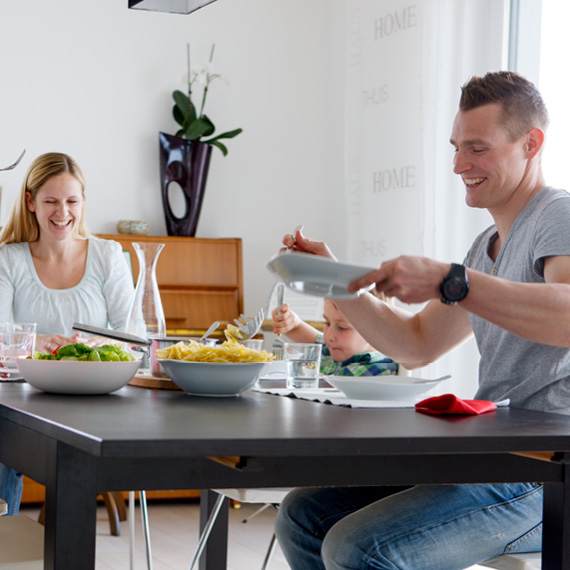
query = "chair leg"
{"x": 207, "y": 530}
{"x": 146, "y": 529}
{"x": 121, "y": 505}
{"x": 112, "y": 512}
{"x": 116, "y": 510}
{"x": 260, "y": 510}
{"x": 270, "y": 551}
{"x": 42, "y": 515}
{"x": 131, "y": 530}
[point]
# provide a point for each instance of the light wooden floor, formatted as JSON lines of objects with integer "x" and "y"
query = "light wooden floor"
{"x": 174, "y": 536}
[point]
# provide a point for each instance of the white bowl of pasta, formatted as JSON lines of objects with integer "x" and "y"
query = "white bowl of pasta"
{"x": 225, "y": 370}
{"x": 213, "y": 378}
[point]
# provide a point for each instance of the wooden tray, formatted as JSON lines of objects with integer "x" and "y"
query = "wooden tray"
{"x": 156, "y": 382}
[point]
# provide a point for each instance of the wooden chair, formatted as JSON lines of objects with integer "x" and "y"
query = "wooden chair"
{"x": 116, "y": 510}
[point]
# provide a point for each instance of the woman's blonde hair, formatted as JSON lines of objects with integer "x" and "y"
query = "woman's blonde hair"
{"x": 22, "y": 224}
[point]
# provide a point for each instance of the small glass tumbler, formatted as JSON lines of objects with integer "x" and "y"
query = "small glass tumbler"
{"x": 303, "y": 365}
{"x": 14, "y": 345}
{"x": 253, "y": 343}
{"x": 23, "y": 327}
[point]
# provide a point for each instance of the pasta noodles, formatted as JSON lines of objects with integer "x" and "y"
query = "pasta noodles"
{"x": 233, "y": 332}
{"x": 229, "y": 351}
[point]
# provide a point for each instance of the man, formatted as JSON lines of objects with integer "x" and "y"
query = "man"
{"x": 513, "y": 294}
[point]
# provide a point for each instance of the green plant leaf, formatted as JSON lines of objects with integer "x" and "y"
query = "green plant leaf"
{"x": 221, "y": 146}
{"x": 181, "y": 105}
{"x": 211, "y": 129}
{"x": 178, "y": 116}
{"x": 199, "y": 128}
{"x": 226, "y": 135}
{"x": 184, "y": 112}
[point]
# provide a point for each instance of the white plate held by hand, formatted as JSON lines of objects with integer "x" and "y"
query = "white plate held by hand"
{"x": 315, "y": 275}
{"x": 400, "y": 388}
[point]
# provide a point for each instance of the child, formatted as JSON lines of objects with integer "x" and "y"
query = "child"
{"x": 345, "y": 352}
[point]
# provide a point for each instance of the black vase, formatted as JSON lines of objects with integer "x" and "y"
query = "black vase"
{"x": 185, "y": 162}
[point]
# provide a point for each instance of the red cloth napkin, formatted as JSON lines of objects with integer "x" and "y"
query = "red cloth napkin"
{"x": 451, "y": 404}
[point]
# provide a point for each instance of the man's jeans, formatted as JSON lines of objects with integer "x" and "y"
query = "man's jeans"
{"x": 11, "y": 488}
{"x": 427, "y": 527}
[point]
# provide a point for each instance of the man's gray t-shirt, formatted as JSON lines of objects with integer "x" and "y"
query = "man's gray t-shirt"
{"x": 532, "y": 375}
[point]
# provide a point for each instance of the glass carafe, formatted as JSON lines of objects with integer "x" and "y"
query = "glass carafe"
{"x": 146, "y": 316}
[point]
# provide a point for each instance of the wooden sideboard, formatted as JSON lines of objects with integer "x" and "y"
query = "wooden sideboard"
{"x": 200, "y": 281}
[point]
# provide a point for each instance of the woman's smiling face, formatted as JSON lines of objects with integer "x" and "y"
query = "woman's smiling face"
{"x": 58, "y": 206}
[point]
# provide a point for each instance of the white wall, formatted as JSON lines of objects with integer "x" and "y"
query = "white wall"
{"x": 94, "y": 79}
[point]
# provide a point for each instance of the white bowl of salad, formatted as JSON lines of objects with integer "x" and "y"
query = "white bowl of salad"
{"x": 80, "y": 370}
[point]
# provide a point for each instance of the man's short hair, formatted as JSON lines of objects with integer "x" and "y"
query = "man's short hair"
{"x": 522, "y": 103}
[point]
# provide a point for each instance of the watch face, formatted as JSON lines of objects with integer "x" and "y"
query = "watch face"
{"x": 455, "y": 286}
{"x": 455, "y": 289}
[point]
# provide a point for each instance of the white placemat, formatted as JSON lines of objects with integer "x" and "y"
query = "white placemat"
{"x": 334, "y": 397}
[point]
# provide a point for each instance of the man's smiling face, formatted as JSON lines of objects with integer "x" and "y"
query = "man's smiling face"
{"x": 490, "y": 164}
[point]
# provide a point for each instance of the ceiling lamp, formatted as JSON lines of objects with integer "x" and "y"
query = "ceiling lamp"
{"x": 172, "y": 6}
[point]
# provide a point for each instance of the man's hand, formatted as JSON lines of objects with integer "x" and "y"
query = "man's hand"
{"x": 410, "y": 279}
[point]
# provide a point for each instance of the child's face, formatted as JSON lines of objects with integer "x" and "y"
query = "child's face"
{"x": 341, "y": 337}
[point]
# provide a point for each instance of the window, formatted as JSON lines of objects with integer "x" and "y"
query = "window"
{"x": 554, "y": 83}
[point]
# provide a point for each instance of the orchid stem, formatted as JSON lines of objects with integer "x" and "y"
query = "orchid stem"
{"x": 207, "y": 82}
{"x": 189, "y": 79}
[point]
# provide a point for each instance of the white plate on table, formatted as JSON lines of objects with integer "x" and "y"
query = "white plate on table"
{"x": 401, "y": 388}
{"x": 9, "y": 372}
{"x": 276, "y": 370}
{"x": 317, "y": 276}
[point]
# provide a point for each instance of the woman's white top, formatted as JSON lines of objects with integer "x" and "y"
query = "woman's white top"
{"x": 102, "y": 298}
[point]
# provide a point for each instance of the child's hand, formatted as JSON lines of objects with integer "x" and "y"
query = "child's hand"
{"x": 284, "y": 320}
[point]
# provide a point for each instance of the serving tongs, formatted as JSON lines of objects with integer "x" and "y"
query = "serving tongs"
{"x": 115, "y": 335}
{"x": 13, "y": 165}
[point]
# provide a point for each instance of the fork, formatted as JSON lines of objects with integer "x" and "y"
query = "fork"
{"x": 251, "y": 325}
{"x": 279, "y": 342}
{"x": 12, "y": 166}
{"x": 248, "y": 326}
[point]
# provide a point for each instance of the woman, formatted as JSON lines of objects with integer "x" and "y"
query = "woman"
{"x": 54, "y": 273}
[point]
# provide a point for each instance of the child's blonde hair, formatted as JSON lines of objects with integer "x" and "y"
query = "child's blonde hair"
{"x": 378, "y": 294}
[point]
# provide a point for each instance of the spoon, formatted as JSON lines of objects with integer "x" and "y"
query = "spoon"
{"x": 210, "y": 330}
{"x": 280, "y": 300}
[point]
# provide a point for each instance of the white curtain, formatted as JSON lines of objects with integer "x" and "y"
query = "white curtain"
{"x": 405, "y": 63}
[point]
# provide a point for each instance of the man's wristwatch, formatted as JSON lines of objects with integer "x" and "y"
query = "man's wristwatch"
{"x": 455, "y": 286}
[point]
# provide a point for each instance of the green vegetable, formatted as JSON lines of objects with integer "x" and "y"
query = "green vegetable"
{"x": 80, "y": 351}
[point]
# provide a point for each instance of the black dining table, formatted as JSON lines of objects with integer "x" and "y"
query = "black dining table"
{"x": 139, "y": 438}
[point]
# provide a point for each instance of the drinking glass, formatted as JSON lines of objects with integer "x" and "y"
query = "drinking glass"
{"x": 23, "y": 327}
{"x": 14, "y": 345}
{"x": 303, "y": 365}
{"x": 253, "y": 343}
